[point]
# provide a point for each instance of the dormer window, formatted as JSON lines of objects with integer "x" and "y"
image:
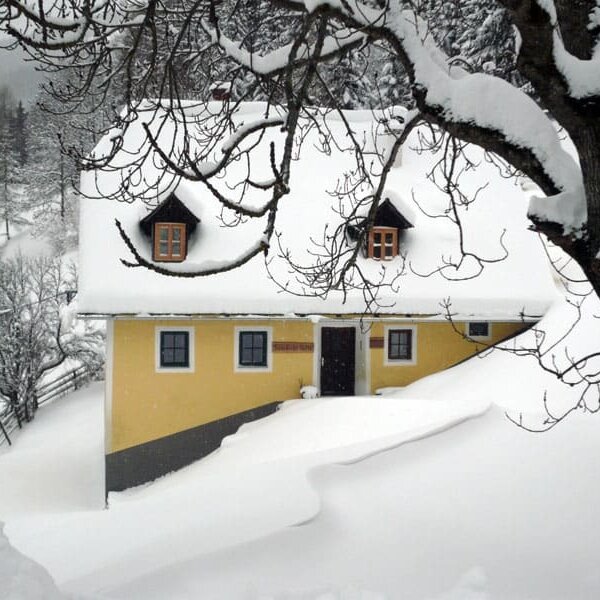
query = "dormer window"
{"x": 170, "y": 227}
{"x": 383, "y": 234}
{"x": 383, "y": 243}
{"x": 169, "y": 242}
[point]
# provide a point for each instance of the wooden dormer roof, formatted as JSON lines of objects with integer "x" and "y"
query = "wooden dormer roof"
{"x": 170, "y": 210}
{"x": 389, "y": 216}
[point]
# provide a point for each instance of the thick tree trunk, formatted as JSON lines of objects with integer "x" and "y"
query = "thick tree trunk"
{"x": 579, "y": 116}
{"x": 583, "y": 247}
{"x": 574, "y": 19}
{"x": 588, "y": 147}
{"x": 587, "y": 142}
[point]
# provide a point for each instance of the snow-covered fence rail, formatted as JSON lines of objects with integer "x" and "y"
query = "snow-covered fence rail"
{"x": 11, "y": 417}
{"x": 65, "y": 383}
{"x": 8, "y": 422}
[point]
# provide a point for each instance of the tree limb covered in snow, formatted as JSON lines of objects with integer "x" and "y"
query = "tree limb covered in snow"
{"x": 105, "y": 39}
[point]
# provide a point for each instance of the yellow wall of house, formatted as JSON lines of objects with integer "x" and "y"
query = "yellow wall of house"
{"x": 147, "y": 405}
{"x": 438, "y": 346}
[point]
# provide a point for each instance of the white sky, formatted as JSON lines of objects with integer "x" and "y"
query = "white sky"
{"x": 18, "y": 74}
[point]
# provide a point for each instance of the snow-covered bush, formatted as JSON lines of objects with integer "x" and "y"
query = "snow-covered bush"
{"x": 35, "y": 338}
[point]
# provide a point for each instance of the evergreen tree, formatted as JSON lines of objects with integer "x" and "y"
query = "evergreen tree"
{"x": 350, "y": 79}
{"x": 19, "y": 131}
{"x": 478, "y": 33}
{"x": 10, "y": 171}
{"x": 392, "y": 84}
{"x": 53, "y": 172}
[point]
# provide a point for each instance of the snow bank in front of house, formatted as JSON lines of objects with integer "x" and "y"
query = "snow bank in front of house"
{"x": 470, "y": 586}
{"x": 21, "y": 578}
{"x": 335, "y": 498}
{"x": 253, "y": 486}
{"x": 353, "y": 427}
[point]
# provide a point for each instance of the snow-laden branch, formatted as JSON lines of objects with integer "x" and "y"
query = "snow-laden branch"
{"x": 582, "y": 76}
{"x": 277, "y": 60}
{"x": 203, "y": 171}
{"x": 209, "y": 267}
{"x": 480, "y": 108}
{"x": 485, "y": 101}
{"x": 245, "y": 129}
{"x": 67, "y": 24}
{"x": 492, "y": 104}
{"x": 207, "y": 169}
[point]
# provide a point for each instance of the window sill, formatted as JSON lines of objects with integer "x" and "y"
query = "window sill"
{"x": 174, "y": 369}
{"x": 243, "y": 369}
{"x": 161, "y": 259}
{"x": 399, "y": 362}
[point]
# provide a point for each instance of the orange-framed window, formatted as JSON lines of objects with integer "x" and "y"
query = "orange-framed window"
{"x": 383, "y": 243}
{"x": 169, "y": 242}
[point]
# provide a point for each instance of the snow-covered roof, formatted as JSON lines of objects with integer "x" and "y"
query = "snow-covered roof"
{"x": 520, "y": 284}
{"x": 220, "y": 85}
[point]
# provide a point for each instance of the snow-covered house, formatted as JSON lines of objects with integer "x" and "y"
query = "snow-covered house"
{"x": 189, "y": 359}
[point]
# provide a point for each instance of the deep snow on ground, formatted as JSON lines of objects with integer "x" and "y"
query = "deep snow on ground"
{"x": 21, "y": 578}
{"x": 26, "y": 245}
{"x": 428, "y": 493}
{"x": 57, "y": 462}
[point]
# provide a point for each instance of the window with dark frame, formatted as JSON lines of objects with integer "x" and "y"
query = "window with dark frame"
{"x": 169, "y": 242}
{"x": 400, "y": 344}
{"x": 383, "y": 243}
{"x": 175, "y": 349}
{"x": 479, "y": 329}
{"x": 252, "y": 349}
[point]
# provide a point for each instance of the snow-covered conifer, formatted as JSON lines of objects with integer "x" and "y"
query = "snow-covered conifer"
{"x": 11, "y": 172}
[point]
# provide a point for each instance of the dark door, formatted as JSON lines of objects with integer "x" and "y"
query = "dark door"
{"x": 338, "y": 352}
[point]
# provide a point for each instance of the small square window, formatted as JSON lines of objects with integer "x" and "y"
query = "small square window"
{"x": 252, "y": 349}
{"x": 382, "y": 243}
{"x": 400, "y": 344}
{"x": 480, "y": 329}
{"x": 175, "y": 349}
{"x": 169, "y": 242}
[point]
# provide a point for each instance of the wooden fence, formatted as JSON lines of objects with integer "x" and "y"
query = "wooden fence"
{"x": 49, "y": 390}
{"x": 8, "y": 422}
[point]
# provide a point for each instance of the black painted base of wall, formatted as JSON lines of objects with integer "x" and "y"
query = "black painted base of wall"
{"x": 143, "y": 463}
